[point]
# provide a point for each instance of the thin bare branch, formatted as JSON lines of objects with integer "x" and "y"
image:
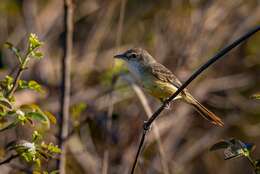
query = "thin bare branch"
{"x": 66, "y": 80}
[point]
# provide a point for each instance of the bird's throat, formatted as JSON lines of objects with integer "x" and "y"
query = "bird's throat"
{"x": 136, "y": 69}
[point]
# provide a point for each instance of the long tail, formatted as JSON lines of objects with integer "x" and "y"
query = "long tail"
{"x": 202, "y": 109}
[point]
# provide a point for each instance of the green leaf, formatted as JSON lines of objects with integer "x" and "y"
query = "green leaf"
{"x": 51, "y": 117}
{"x": 51, "y": 147}
{"x": 35, "y": 86}
{"x": 9, "y": 80}
{"x": 36, "y": 136}
{"x": 28, "y": 157}
{"x": 33, "y": 111}
{"x": 22, "y": 84}
{"x": 34, "y": 42}
{"x": 54, "y": 148}
{"x": 37, "y": 116}
{"x": 7, "y": 83}
{"x": 37, "y": 55}
{"x": 22, "y": 118}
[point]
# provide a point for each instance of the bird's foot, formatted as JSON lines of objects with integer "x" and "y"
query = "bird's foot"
{"x": 147, "y": 127}
{"x": 167, "y": 106}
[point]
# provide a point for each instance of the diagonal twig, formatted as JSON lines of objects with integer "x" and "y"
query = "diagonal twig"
{"x": 212, "y": 60}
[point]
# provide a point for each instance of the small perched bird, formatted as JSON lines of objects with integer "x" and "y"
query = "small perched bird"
{"x": 160, "y": 82}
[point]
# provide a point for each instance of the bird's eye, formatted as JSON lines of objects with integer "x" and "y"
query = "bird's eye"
{"x": 133, "y": 56}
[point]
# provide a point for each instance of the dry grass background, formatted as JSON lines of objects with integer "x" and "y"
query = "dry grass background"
{"x": 180, "y": 34}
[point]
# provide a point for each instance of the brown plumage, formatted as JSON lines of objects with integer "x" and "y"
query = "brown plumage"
{"x": 165, "y": 75}
{"x": 160, "y": 82}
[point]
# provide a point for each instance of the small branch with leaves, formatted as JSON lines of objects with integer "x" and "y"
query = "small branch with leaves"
{"x": 234, "y": 148}
{"x": 156, "y": 114}
{"x": 32, "y": 52}
{"x": 29, "y": 113}
{"x": 35, "y": 150}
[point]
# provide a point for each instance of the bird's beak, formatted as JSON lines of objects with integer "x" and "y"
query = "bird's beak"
{"x": 119, "y": 56}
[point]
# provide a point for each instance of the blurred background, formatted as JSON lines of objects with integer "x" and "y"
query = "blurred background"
{"x": 108, "y": 108}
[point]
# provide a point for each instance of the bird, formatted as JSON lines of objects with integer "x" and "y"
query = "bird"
{"x": 160, "y": 82}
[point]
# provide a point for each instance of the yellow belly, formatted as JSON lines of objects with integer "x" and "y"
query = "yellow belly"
{"x": 159, "y": 89}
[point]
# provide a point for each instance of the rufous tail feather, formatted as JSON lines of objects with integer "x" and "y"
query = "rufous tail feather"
{"x": 202, "y": 110}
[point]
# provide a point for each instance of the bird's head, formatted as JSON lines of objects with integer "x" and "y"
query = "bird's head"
{"x": 136, "y": 55}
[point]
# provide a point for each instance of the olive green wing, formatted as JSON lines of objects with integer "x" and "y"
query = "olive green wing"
{"x": 164, "y": 74}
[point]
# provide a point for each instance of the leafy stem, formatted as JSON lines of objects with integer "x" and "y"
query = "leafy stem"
{"x": 16, "y": 80}
{"x": 35, "y": 150}
{"x": 34, "y": 44}
{"x": 247, "y": 154}
{"x": 234, "y": 148}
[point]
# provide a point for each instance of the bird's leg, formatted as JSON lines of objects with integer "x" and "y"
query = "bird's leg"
{"x": 146, "y": 127}
{"x": 168, "y": 106}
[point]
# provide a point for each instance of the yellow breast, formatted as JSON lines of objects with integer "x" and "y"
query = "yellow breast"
{"x": 154, "y": 86}
{"x": 158, "y": 89}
